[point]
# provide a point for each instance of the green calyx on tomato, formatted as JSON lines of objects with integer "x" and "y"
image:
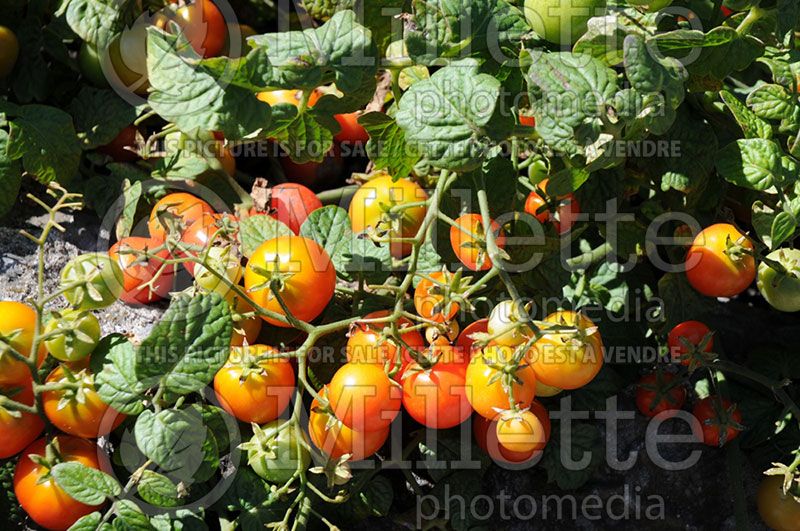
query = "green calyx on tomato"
{"x": 779, "y": 279}
{"x": 276, "y": 451}
{"x": 91, "y": 281}
{"x": 71, "y": 335}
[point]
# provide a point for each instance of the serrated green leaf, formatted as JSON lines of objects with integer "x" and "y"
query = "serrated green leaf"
{"x": 113, "y": 365}
{"x": 188, "y": 346}
{"x": 604, "y": 39}
{"x": 299, "y": 134}
{"x": 752, "y": 126}
{"x": 772, "y": 102}
{"x": 99, "y": 116}
{"x": 783, "y": 228}
{"x": 92, "y": 20}
{"x": 157, "y": 489}
{"x": 90, "y": 522}
{"x": 387, "y": 147}
{"x": 752, "y": 163}
{"x": 174, "y": 440}
{"x": 130, "y": 517}
{"x": 84, "y": 484}
{"x": 255, "y": 230}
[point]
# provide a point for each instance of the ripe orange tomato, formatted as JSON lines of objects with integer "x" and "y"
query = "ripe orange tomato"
{"x": 778, "y": 510}
{"x": 255, "y": 391}
{"x": 469, "y": 241}
{"x": 181, "y": 207}
{"x": 44, "y": 501}
{"x": 300, "y": 269}
{"x": 370, "y": 343}
{"x": 520, "y": 431}
{"x": 485, "y": 432}
{"x": 375, "y": 204}
{"x": 207, "y": 231}
{"x": 363, "y": 397}
{"x": 203, "y": 26}
{"x": 352, "y": 132}
{"x": 465, "y": 343}
{"x": 718, "y": 263}
{"x": 291, "y": 203}
{"x": 566, "y": 360}
{"x": 565, "y": 216}
{"x": 116, "y": 148}
{"x": 81, "y": 413}
{"x": 20, "y": 429}
{"x": 245, "y": 329}
{"x": 436, "y": 397}
{"x": 18, "y": 324}
{"x": 335, "y": 439}
{"x": 692, "y": 331}
{"x": 647, "y": 400}
{"x": 429, "y": 298}
{"x": 711, "y": 420}
{"x": 487, "y": 393}
{"x": 136, "y": 272}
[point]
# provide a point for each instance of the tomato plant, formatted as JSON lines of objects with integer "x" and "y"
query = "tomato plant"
{"x": 177, "y": 209}
{"x": 658, "y": 392}
{"x": 433, "y": 299}
{"x": 468, "y": 239}
{"x": 122, "y": 148}
{"x": 92, "y": 281}
{"x": 374, "y": 343}
{"x": 275, "y": 453}
{"x": 494, "y": 376}
{"x": 146, "y": 279}
{"x": 563, "y": 211}
{"x": 10, "y": 47}
{"x": 73, "y": 335}
{"x": 720, "y": 262}
{"x": 436, "y": 396}
{"x": 363, "y": 397}
{"x": 781, "y": 288}
{"x": 720, "y": 420}
{"x": 688, "y": 336}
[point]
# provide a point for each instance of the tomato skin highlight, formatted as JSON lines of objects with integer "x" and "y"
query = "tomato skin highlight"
{"x": 186, "y": 207}
{"x": 779, "y": 511}
{"x": 705, "y": 411}
{"x": 311, "y": 279}
{"x": 488, "y": 399}
{"x": 18, "y": 432}
{"x": 709, "y": 268}
{"x": 672, "y": 401}
{"x": 436, "y": 397}
{"x": 468, "y": 235}
{"x": 47, "y": 503}
{"x": 366, "y": 343}
{"x": 338, "y": 440}
{"x": 291, "y": 203}
{"x": 692, "y": 331}
{"x": 89, "y": 419}
{"x": 368, "y": 209}
{"x": 560, "y": 362}
{"x": 17, "y": 319}
{"x": 258, "y": 396}
{"x": 135, "y": 274}
{"x": 363, "y": 397}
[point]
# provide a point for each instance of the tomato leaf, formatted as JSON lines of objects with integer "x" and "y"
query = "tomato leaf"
{"x": 113, "y": 365}
{"x": 299, "y": 134}
{"x": 752, "y": 126}
{"x": 130, "y": 516}
{"x": 451, "y": 117}
{"x": 753, "y": 163}
{"x": 173, "y": 439}
{"x": 192, "y": 98}
{"x": 157, "y": 489}
{"x": 84, "y": 484}
{"x": 99, "y": 116}
{"x": 92, "y": 20}
{"x": 255, "y": 230}
{"x": 772, "y": 102}
{"x": 45, "y": 139}
{"x": 10, "y": 176}
{"x": 90, "y": 522}
{"x": 387, "y": 147}
{"x": 188, "y": 346}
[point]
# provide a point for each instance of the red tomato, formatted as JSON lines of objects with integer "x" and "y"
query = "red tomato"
{"x": 44, "y": 501}
{"x": 692, "y": 331}
{"x": 182, "y": 207}
{"x": 468, "y": 240}
{"x": 201, "y": 233}
{"x": 363, "y": 397}
{"x": 303, "y": 270}
{"x": 335, "y": 439}
{"x": 726, "y": 12}
{"x": 252, "y": 390}
{"x": 436, "y": 397}
{"x": 116, "y": 148}
{"x": 712, "y": 420}
{"x": 719, "y": 262}
{"x": 656, "y": 393}
{"x": 466, "y": 343}
{"x": 79, "y": 412}
{"x": 19, "y": 429}
{"x": 18, "y": 324}
{"x": 204, "y": 27}
{"x": 291, "y": 203}
{"x": 429, "y": 299}
{"x": 138, "y": 271}
{"x": 566, "y": 212}
{"x": 370, "y": 343}
{"x": 352, "y": 132}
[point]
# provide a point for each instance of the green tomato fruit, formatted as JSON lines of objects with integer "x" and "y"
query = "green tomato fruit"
{"x": 225, "y": 260}
{"x": 91, "y": 65}
{"x": 95, "y": 280}
{"x": 9, "y": 51}
{"x": 75, "y": 335}
{"x": 275, "y": 454}
{"x": 562, "y": 22}
{"x": 781, "y": 290}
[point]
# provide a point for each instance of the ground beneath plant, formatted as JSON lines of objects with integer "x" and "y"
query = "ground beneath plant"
{"x": 695, "y": 499}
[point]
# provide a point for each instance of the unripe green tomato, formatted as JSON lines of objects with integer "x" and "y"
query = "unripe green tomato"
{"x": 103, "y": 281}
{"x": 538, "y": 171}
{"x": 90, "y": 63}
{"x": 9, "y": 51}
{"x": 501, "y": 322}
{"x": 273, "y": 454}
{"x": 224, "y": 260}
{"x": 76, "y": 335}
{"x": 562, "y": 21}
{"x": 780, "y": 290}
